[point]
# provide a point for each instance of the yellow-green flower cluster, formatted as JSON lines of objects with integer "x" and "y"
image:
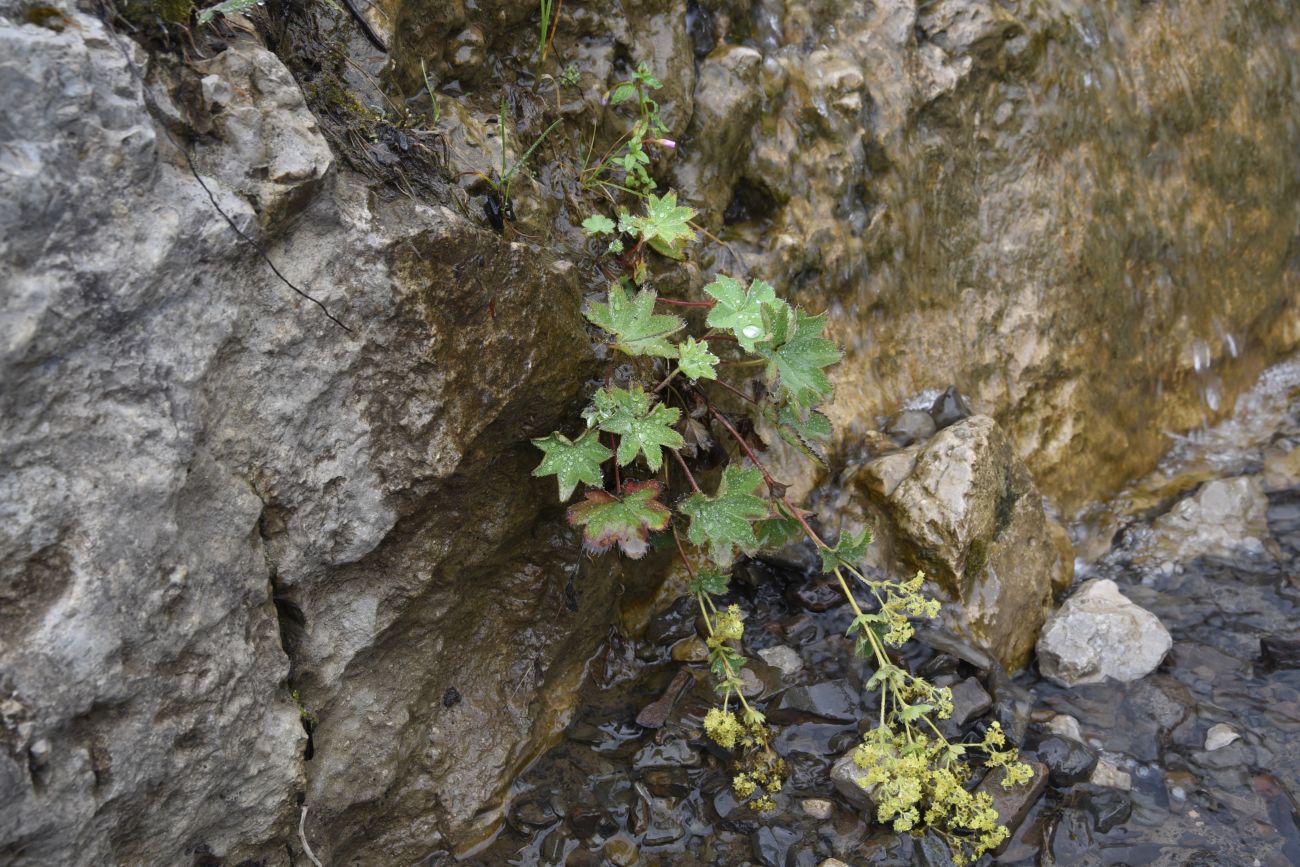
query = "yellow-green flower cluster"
{"x": 760, "y": 781}
{"x": 919, "y": 781}
{"x": 723, "y": 727}
{"x": 728, "y": 625}
{"x": 900, "y": 600}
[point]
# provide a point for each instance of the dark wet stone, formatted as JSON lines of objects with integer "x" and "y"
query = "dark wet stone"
{"x": 673, "y": 625}
{"x": 843, "y": 832}
{"x": 800, "y": 629}
{"x": 769, "y": 678}
{"x": 821, "y": 739}
{"x": 939, "y": 665}
{"x": 552, "y": 849}
{"x": 532, "y": 813}
{"x": 451, "y": 697}
{"x": 590, "y": 823}
{"x": 727, "y": 806}
{"x": 931, "y": 851}
{"x": 969, "y": 702}
{"x": 1277, "y": 651}
{"x": 771, "y": 844}
{"x": 668, "y": 782}
{"x": 582, "y": 858}
{"x": 616, "y": 795}
{"x": 672, "y": 753}
{"x": 807, "y": 774}
{"x": 949, "y": 408}
{"x": 621, "y": 851}
{"x": 1068, "y": 761}
{"x": 803, "y": 857}
{"x": 910, "y": 426}
{"x": 815, "y": 593}
{"x": 1013, "y": 804}
{"x": 1107, "y": 808}
{"x": 655, "y": 714}
{"x": 1012, "y": 705}
{"x": 944, "y": 641}
{"x": 829, "y": 700}
{"x": 1071, "y": 840}
{"x": 664, "y": 827}
{"x": 843, "y": 741}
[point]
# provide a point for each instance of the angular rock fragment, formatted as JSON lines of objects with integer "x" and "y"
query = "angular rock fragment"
{"x": 1099, "y": 634}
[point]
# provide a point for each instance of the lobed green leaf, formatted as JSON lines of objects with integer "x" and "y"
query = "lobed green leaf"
{"x": 726, "y": 520}
{"x": 637, "y": 328}
{"x": 572, "y": 461}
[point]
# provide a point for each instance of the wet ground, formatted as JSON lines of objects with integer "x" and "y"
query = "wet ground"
{"x": 1195, "y": 764}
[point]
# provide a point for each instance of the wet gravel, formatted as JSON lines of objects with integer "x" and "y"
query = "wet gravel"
{"x": 1130, "y": 777}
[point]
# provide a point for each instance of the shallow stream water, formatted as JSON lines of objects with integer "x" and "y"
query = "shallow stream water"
{"x": 633, "y": 781}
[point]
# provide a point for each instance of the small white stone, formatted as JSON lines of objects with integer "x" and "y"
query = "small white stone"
{"x": 1108, "y": 774}
{"x": 1097, "y": 634}
{"x": 817, "y": 808}
{"x": 832, "y": 862}
{"x": 1066, "y": 726}
{"x": 1219, "y": 736}
{"x": 783, "y": 658}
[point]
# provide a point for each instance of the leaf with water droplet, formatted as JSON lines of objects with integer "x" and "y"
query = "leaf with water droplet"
{"x": 598, "y": 224}
{"x": 695, "y": 359}
{"x": 711, "y": 580}
{"x": 849, "y": 550}
{"x": 665, "y": 226}
{"x": 740, "y": 310}
{"x": 800, "y": 362}
{"x": 641, "y": 428}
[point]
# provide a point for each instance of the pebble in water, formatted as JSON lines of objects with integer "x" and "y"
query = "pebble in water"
{"x": 911, "y": 426}
{"x": 1219, "y": 736}
{"x": 784, "y": 659}
{"x": 1068, "y": 761}
{"x": 949, "y": 408}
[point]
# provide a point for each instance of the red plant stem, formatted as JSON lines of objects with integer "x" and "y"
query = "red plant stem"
{"x": 737, "y": 392}
{"x": 740, "y": 440}
{"x": 618, "y": 482}
{"x": 807, "y": 529}
{"x": 674, "y": 302}
{"x": 690, "y": 478}
{"x": 681, "y": 552}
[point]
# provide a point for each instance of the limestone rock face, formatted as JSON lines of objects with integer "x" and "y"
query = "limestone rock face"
{"x": 220, "y": 511}
{"x": 1099, "y": 634}
{"x": 963, "y": 508}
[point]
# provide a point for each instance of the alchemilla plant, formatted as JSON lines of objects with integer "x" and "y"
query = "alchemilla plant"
{"x": 689, "y": 364}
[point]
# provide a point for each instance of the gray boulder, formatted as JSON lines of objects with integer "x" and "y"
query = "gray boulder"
{"x": 1100, "y": 634}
